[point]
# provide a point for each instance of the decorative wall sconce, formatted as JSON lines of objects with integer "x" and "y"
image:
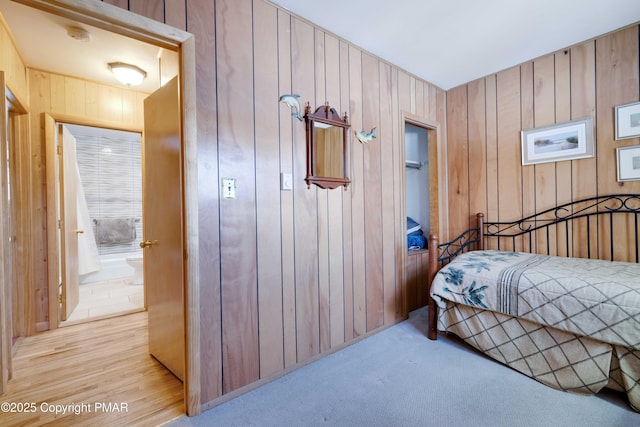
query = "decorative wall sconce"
{"x": 364, "y": 137}
{"x": 291, "y": 100}
{"x": 127, "y": 74}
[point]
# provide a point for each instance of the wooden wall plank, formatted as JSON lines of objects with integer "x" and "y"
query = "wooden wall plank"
{"x": 562, "y": 61}
{"x": 398, "y": 197}
{"x": 270, "y": 309}
{"x": 419, "y": 97}
{"x": 411, "y": 281}
{"x": 153, "y": 9}
{"x": 583, "y": 104}
{"x": 24, "y": 304}
{"x": 407, "y": 289}
{"x": 347, "y": 218}
{"x": 287, "y": 123}
{"x": 412, "y": 268}
{"x": 201, "y": 23}
{"x": 334, "y": 202}
{"x": 423, "y": 285}
{"x": 458, "y": 160}
{"x": 388, "y": 188}
{"x": 493, "y": 202}
{"x": 544, "y": 115}
{"x": 441, "y": 222}
{"x": 109, "y": 110}
{"x": 509, "y": 159}
{"x": 93, "y": 101}
{"x": 129, "y": 109}
{"x": 477, "y": 150}
{"x": 373, "y": 194}
{"x": 6, "y": 250}
{"x": 357, "y": 190}
{"x": 412, "y": 85}
{"x": 74, "y": 104}
{"x": 433, "y": 105}
{"x": 124, "y": 4}
{"x": 321, "y": 97}
{"x": 527, "y": 120}
{"x": 305, "y": 202}
{"x": 39, "y": 98}
{"x": 175, "y": 13}
{"x": 240, "y": 352}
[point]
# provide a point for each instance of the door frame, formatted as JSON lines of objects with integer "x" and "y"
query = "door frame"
{"x": 437, "y": 181}
{"x": 5, "y": 279}
{"x": 50, "y": 124}
{"x": 123, "y": 22}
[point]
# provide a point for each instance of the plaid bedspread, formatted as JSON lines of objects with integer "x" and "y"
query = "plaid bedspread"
{"x": 591, "y": 298}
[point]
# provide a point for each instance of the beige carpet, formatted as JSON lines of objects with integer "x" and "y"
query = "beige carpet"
{"x": 400, "y": 378}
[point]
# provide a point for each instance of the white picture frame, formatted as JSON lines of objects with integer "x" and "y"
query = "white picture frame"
{"x": 627, "y": 121}
{"x": 628, "y": 159}
{"x": 564, "y": 141}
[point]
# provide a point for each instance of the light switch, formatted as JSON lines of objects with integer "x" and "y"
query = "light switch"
{"x": 286, "y": 181}
{"x": 228, "y": 188}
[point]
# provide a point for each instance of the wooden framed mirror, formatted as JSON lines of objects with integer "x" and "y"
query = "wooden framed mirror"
{"x": 327, "y": 149}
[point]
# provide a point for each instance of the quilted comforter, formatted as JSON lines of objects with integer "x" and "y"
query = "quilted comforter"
{"x": 572, "y": 324}
{"x": 592, "y": 298}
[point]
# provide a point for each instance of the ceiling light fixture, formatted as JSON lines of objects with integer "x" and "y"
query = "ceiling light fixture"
{"x": 127, "y": 74}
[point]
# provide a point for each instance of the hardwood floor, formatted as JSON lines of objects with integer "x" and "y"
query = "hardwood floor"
{"x": 99, "y": 372}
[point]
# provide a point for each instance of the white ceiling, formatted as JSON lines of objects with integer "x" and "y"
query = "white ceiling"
{"x": 451, "y": 42}
{"x": 445, "y": 42}
{"x": 44, "y": 44}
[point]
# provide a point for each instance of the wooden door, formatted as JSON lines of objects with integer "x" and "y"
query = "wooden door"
{"x": 6, "y": 328}
{"x": 70, "y": 288}
{"x": 162, "y": 221}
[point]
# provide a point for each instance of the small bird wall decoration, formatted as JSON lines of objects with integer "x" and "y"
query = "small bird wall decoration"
{"x": 291, "y": 100}
{"x": 364, "y": 137}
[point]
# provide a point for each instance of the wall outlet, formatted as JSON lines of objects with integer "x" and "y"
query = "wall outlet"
{"x": 228, "y": 188}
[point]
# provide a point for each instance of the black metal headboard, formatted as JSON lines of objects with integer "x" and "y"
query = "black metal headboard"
{"x": 560, "y": 219}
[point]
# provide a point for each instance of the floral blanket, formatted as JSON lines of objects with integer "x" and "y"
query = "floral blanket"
{"x": 586, "y": 297}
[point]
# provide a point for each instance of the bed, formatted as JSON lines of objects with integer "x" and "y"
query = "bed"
{"x": 555, "y": 296}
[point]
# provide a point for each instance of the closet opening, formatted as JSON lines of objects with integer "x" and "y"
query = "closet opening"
{"x": 416, "y": 140}
{"x": 421, "y": 205}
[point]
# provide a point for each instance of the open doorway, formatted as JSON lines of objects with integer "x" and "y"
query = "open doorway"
{"x": 108, "y": 201}
{"x": 416, "y": 140}
{"x": 109, "y": 18}
{"x": 421, "y": 204}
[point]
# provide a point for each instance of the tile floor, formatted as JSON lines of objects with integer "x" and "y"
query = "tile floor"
{"x": 101, "y": 299}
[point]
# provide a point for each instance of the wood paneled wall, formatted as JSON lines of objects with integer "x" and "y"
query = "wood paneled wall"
{"x": 485, "y": 117}
{"x": 15, "y": 78}
{"x": 12, "y": 65}
{"x": 287, "y": 276}
{"x": 417, "y": 271}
